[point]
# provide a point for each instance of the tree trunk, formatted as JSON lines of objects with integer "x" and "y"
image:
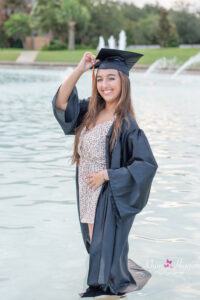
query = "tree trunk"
{"x": 23, "y": 43}
{"x": 83, "y": 40}
{"x": 60, "y": 38}
{"x": 50, "y": 35}
{"x": 71, "y": 38}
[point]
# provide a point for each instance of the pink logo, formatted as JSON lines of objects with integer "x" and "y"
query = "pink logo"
{"x": 168, "y": 264}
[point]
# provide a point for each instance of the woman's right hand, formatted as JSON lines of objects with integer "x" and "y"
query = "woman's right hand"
{"x": 87, "y": 61}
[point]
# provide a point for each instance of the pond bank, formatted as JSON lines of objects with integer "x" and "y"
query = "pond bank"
{"x": 63, "y": 66}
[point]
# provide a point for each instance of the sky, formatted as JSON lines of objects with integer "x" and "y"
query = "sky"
{"x": 194, "y": 4}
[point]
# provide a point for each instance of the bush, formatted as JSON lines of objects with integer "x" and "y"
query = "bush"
{"x": 3, "y": 38}
{"x": 82, "y": 47}
{"x": 55, "y": 45}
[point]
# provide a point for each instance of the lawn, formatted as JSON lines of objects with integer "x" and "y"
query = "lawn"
{"x": 63, "y": 55}
{"x": 150, "y": 55}
{"x": 9, "y": 54}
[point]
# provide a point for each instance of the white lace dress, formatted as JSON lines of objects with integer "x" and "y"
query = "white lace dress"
{"x": 91, "y": 149}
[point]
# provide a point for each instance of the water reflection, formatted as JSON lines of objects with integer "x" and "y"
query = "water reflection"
{"x": 42, "y": 252}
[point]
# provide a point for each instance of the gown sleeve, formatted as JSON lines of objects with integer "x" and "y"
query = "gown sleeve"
{"x": 130, "y": 185}
{"x": 72, "y": 117}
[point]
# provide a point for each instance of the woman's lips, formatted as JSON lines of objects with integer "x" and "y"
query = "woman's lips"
{"x": 107, "y": 92}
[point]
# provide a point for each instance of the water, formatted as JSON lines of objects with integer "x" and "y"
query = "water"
{"x": 162, "y": 63}
{"x": 101, "y": 43}
{"x": 112, "y": 42}
{"x": 42, "y": 255}
{"x": 191, "y": 61}
{"x": 122, "y": 40}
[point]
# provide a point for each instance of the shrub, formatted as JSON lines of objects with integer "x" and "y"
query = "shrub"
{"x": 55, "y": 45}
{"x": 82, "y": 47}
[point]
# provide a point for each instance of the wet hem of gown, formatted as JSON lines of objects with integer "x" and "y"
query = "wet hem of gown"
{"x": 139, "y": 278}
{"x": 94, "y": 291}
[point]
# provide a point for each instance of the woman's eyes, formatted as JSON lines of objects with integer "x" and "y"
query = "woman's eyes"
{"x": 111, "y": 78}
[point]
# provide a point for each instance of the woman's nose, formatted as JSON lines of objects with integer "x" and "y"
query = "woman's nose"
{"x": 104, "y": 83}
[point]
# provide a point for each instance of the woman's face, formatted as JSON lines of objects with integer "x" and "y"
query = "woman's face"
{"x": 108, "y": 84}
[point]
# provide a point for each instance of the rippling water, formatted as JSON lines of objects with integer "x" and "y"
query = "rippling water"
{"x": 42, "y": 255}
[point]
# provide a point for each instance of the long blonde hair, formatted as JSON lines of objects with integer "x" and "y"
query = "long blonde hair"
{"x": 96, "y": 104}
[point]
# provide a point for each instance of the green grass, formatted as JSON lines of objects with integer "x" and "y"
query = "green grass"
{"x": 9, "y": 54}
{"x": 62, "y": 55}
{"x": 150, "y": 55}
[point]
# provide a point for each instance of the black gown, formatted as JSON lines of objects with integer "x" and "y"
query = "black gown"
{"x": 131, "y": 168}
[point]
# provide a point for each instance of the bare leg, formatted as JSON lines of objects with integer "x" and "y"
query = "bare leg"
{"x": 90, "y": 230}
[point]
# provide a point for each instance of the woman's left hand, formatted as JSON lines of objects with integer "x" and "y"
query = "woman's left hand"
{"x": 95, "y": 180}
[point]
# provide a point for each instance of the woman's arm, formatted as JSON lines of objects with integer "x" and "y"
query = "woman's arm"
{"x": 67, "y": 86}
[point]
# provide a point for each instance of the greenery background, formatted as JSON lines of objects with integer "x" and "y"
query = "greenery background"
{"x": 149, "y": 25}
{"x": 94, "y": 18}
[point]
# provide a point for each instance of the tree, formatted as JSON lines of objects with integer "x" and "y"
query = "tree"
{"x": 150, "y": 9}
{"x": 106, "y": 20}
{"x": 132, "y": 12}
{"x": 187, "y": 24}
{"x": 173, "y": 40}
{"x": 46, "y": 17}
{"x": 15, "y": 6}
{"x": 18, "y": 27}
{"x": 59, "y": 17}
{"x": 144, "y": 30}
{"x": 163, "y": 29}
{"x": 73, "y": 13}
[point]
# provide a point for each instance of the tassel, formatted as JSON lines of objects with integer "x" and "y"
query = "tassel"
{"x": 93, "y": 75}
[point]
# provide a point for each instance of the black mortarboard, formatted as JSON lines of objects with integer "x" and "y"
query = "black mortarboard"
{"x": 117, "y": 59}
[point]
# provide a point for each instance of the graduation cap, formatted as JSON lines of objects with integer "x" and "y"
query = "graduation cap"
{"x": 116, "y": 59}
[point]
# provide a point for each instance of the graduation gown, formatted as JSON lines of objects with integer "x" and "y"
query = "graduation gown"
{"x": 131, "y": 168}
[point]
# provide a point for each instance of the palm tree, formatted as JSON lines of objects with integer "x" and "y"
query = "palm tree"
{"x": 72, "y": 13}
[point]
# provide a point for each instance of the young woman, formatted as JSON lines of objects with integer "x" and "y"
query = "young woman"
{"x": 115, "y": 168}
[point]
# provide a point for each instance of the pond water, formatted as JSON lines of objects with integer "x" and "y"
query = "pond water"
{"x": 42, "y": 255}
